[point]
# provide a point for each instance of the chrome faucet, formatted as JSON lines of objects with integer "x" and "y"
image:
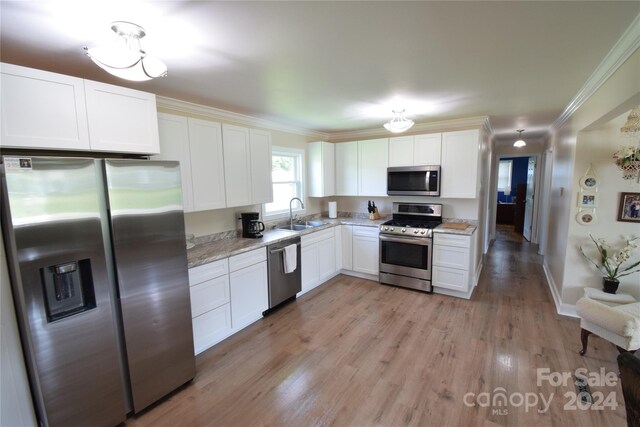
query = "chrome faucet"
{"x": 291, "y": 210}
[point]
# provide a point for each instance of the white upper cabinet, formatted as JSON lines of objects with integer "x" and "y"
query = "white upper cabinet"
{"x": 52, "y": 111}
{"x": 373, "y": 160}
{"x": 237, "y": 173}
{"x": 427, "y": 149}
{"x": 418, "y": 150}
{"x": 401, "y": 151}
{"x": 346, "y": 168}
{"x": 197, "y": 145}
{"x": 42, "y": 110}
{"x": 121, "y": 120}
{"x": 174, "y": 145}
{"x": 321, "y": 169}
{"x": 207, "y": 165}
{"x": 459, "y": 165}
{"x": 260, "y": 154}
{"x": 247, "y": 165}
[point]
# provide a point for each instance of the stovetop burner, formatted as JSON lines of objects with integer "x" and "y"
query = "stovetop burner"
{"x": 413, "y": 219}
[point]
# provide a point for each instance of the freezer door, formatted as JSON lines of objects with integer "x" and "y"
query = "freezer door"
{"x": 51, "y": 218}
{"x": 147, "y": 224}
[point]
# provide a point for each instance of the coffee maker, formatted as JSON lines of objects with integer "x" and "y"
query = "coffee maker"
{"x": 251, "y": 225}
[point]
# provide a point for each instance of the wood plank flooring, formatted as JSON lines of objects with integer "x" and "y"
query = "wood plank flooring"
{"x": 357, "y": 353}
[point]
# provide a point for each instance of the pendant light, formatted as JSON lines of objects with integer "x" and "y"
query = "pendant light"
{"x": 125, "y": 58}
{"x": 399, "y": 123}
{"x": 520, "y": 142}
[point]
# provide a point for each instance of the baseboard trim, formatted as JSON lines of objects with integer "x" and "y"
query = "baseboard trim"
{"x": 373, "y": 277}
{"x": 563, "y": 309}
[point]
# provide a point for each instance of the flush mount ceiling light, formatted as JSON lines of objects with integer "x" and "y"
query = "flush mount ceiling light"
{"x": 125, "y": 58}
{"x": 399, "y": 123}
{"x": 520, "y": 142}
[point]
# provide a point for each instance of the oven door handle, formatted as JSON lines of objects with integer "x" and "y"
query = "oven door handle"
{"x": 424, "y": 241}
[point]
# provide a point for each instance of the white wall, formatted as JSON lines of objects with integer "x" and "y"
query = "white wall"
{"x": 616, "y": 95}
{"x": 596, "y": 147}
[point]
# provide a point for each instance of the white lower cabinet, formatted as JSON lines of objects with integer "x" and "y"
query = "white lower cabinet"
{"x": 453, "y": 266}
{"x": 347, "y": 246}
{"x": 366, "y": 250}
{"x": 318, "y": 258}
{"x": 249, "y": 287}
{"x": 210, "y": 304}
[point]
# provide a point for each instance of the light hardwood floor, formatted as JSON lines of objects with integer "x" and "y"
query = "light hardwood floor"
{"x": 357, "y": 353}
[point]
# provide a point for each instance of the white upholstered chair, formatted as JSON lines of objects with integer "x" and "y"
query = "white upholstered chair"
{"x": 619, "y": 324}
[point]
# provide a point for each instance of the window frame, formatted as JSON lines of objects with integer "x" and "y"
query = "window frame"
{"x": 300, "y": 159}
{"x": 510, "y": 161}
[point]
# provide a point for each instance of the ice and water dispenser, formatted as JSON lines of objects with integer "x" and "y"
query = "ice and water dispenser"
{"x": 68, "y": 289}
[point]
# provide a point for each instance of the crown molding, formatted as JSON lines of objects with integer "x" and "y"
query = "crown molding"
{"x": 628, "y": 43}
{"x": 418, "y": 128}
{"x": 230, "y": 116}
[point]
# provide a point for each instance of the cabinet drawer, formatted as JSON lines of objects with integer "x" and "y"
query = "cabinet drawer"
{"x": 450, "y": 278}
{"x": 451, "y": 256}
{"x": 209, "y": 271}
{"x": 365, "y": 231}
{"x": 246, "y": 259}
{"x": 211, "y": 327}
{"x": 451, "y": 240}
{"x": 208, "y": 295}
{"x": 317, "y": 236}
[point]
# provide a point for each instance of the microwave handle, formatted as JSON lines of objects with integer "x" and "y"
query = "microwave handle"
{"x": 426, "y": 183}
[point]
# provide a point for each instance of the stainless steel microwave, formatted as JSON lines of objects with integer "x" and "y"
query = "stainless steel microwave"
{"x": 413, "y": 181}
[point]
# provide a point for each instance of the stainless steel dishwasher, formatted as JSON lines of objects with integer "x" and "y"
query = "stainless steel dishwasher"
{"x": 283, "y": 286}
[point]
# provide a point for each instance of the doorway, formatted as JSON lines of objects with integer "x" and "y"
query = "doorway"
{"x": 516, "y": 194}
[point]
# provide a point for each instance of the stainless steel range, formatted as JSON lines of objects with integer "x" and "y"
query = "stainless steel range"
{"x": 406, "y": 245}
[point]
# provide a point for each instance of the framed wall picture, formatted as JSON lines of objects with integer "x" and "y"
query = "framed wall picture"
{"x": 589, "y": 182}
{"x": 629, "y": 209}
{"x": 587, "y": 199}
{"x": 586, "y": 217}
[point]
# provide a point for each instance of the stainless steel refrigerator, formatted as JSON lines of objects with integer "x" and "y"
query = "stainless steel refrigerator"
{"x": 97, "y": 259}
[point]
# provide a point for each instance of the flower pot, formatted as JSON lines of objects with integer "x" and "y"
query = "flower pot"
{"x": 610, "y": 286}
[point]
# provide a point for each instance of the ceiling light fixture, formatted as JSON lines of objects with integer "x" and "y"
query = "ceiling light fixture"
{"x": 520, "y": 142}
{"x": 399, "y": 123}
{"x": 125, "y": 58}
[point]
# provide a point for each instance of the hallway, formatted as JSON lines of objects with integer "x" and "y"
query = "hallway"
{"x": 356, "y": 353}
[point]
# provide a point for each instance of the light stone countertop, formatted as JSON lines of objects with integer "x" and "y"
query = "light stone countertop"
{"x": 210, "y": 251}
{"x": 206, "y": 252}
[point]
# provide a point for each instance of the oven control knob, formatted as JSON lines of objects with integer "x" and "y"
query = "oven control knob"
{"x": 403, "y": 230}
{"x": 385, "y": 228}
{"x": 391, "y": 229}
{"x": 423, "y": 231}
{"x": 415, "y": 231}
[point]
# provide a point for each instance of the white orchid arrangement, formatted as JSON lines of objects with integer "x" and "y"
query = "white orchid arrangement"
{"x": 610, "y": 261}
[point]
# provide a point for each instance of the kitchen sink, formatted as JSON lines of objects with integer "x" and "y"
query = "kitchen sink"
{"x": 301, "y": 227}
{"x": 296, "y": 227}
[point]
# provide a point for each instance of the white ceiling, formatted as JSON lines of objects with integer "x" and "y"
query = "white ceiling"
{"x": 341, "y": 66}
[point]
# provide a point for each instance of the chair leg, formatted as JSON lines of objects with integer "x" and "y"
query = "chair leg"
{"x": 584, "y": 337}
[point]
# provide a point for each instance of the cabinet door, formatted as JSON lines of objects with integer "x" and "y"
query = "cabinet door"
{"x": 366, "y": 254}
{"x": 209, "y": 294}
{"x": 121, "y": 120}
{"x": 427, "y": 149}
{"x": 326, "y": 259}
{"x": 373, "y": 160}
{"x": 347, "y": 246}
{"x": 451, "y": 278}
{"x": 346, "y": 168}
{"x": 42, "y": 110}
{"x": 261, "y": 187}
{"x": 174, "y": 145}
{"x": 310, "y": 267}
{"x": 237, "y": 176}
{"x": 321, "y": 169}
{"x": 211, "y": 327}
{"x": 401, "y": 151}
{"x": 249, "y": 297}
{"x": 207, "y": 165}
{"x": 459, "y": 164}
